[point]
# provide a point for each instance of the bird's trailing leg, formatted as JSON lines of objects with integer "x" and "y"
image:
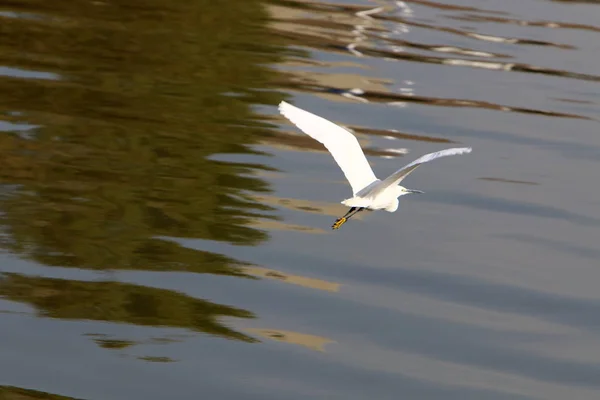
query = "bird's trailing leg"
{"x": 341, "y": 221}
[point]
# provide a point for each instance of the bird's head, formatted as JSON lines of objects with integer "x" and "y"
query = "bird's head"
{"x": 404, "y": 191}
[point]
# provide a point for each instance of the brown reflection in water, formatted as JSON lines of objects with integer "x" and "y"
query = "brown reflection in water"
{"x": 344, "y": 31}
{"x": 122, "y": 346}
{"x": 269, "y": 225}
{"x": 114, "y": 344}
{"x": 157, "y": 359}
{"x": 349, "y": 11}
{"x": 337, "y": 7}
{"x": 285, "y": 140}
{"x": 309, "y": 341}
{"x": 440, "y": 48}
{"x": 520, "y": 22}
{"x": 16, "y": 393}
{"x": 452, "y": 7}
{"x": 574, "y": 101}
{"x": 509, "y": 181}
{"x": 474, "y": 35}
{"x": 401, "y": 98}
{"x": 304, "y": 281}
{"x": 315, "y": 207}
{"x": 335, "y": 35}
{"x": 121, "y": 303}
{"x": 403, "y": 136}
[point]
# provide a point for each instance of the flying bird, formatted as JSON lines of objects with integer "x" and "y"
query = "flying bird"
{"x": 369, "y": 193}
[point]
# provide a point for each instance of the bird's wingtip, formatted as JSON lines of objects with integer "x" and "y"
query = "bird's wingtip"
{"x": 285, "y": 109}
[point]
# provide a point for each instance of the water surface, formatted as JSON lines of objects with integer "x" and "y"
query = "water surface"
{"x": 166, "y": 232}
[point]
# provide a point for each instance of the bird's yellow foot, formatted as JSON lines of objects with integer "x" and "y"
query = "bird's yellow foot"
{"x": 338, "y": 222}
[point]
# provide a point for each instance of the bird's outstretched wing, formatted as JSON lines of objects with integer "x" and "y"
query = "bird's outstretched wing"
{"x": 342, "y": 144}
{"x": 398, "y": 176}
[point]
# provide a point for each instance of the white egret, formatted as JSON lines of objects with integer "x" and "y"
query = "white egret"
{"x": 368, "y": 191}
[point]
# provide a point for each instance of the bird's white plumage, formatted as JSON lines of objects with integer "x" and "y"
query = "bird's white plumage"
{"x": 369, "y": 192}
{"x": 398, "y": 176}
{"x": 342, "y": 144}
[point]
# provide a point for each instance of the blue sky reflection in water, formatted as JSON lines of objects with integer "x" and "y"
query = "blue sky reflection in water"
{"x": 123, "y": 278}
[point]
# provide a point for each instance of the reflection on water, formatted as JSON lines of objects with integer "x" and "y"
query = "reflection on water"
{"x": 309, "y": 341}
{"x": 116, "y": 154}
{"x": 294, "y": 279}
{"x": 127, "y": 348}
{"x": 114, "y": 343}
{"x": 508, "y": 181}
{"x": 165, "y": 229}
{"x": 119, "y": 302}
{"x": 294, "y": 30}
{"x": 15, "y": 393}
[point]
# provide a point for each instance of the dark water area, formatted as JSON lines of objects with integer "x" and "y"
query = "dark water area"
{"x": 166, "y": 233}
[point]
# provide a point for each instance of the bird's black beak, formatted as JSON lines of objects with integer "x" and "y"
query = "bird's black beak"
{"x": 414, "y": 191}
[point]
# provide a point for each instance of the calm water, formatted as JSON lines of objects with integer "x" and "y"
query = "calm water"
{"x": 166, "y": 234}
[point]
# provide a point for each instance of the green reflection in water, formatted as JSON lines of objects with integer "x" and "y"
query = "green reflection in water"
{"x": 15, "y": 393}
{"x": 120, "y": 302}
{"x": 147, "y": 92}
{"x": 121, "y": 154}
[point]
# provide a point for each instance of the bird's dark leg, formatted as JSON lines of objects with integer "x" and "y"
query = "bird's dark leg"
{"x": 341, "y": 221}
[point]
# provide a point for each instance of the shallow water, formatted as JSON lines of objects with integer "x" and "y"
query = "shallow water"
{"x": 166, "y": 234}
